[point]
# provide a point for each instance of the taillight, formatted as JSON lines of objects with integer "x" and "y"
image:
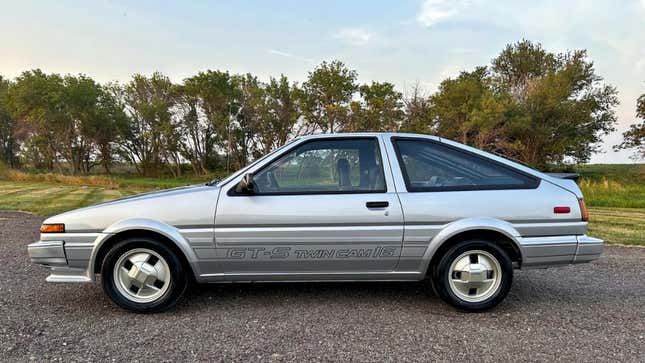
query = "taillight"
{"x": 560, "y": 210}
{"x": 583, "y": 210}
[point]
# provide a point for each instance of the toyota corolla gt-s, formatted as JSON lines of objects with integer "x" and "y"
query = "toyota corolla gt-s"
{"x": 338, "y": 207}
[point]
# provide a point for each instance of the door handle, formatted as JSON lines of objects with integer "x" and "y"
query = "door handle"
{"x": 377, "y": 204}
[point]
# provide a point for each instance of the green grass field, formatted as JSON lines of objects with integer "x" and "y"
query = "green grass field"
{"x": 614, "y": 193}
{"x": 618, "y": 225}
{"x": 48, "y": 199}
{"x": 616, "y": 186}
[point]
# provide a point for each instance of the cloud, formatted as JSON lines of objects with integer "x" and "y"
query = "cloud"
{"x": 460, "y": 50}
{"x": 289, "y": 55}
{"x": 640, "y": 64}
{"x": 435, "y": 11}
{"x": 354, "y": 36}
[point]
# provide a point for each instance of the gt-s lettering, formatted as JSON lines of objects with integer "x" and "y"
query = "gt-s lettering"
{"x": 253, "y": 253}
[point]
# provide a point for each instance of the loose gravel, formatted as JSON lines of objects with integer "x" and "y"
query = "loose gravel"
{"x": 586, "y": 312}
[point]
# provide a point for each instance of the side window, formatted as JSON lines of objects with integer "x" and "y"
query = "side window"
{"x": 430, "y": 166}
{"x": 325, "y": 166}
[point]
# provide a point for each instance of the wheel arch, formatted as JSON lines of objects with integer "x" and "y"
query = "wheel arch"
{"x": 500, "y": 232}
{"x": 165, "y": 233}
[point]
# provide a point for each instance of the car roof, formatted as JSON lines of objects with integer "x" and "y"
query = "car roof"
{"x": 372, "y": 134}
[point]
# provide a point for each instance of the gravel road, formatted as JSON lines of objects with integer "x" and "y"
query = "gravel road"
{"x": 586, "y": 312}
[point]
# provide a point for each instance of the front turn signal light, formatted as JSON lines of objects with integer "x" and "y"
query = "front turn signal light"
{"x": 52, "y": 228}
{"x": 583, "y": 210}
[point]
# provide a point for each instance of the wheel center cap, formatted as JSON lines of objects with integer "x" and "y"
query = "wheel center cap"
{"x": 142, "y": 272}
{"x": 474, "y": 272}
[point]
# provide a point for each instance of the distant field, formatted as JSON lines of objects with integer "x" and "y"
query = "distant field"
{"x": 615, "y": 194}
{"x": 618, "y": 225}
{"x": 47, "y": 199}
{"x": 623, "y": 173}
{"x": 619, "y": 186}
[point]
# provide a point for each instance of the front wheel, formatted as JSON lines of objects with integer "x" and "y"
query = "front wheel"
{"x": 143, "y": 275}
{"x": 473, "y": 275}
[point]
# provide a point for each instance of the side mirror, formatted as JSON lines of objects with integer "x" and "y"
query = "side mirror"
{"x": 245, "y": 186}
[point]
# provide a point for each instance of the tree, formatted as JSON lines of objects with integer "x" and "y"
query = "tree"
{"x": 282, "y": 113}
{"x": 149, "y": 141}
{"x": 80, "y": 100}
{"x": 634, "y": 138}
{"x": 468, "y": 109}
{"x": 539, "y": 107}
{"x": 8, "y": 142}
{"x": 36, "y": 101}
{"x": 215, "y": 94}
{"x": 521, "y": 64}
{"x": 251, "y": 114}
{"x": 107, "y": 126}
{"x": 562, "y": 107}
{"x": 63, "y": 118}
{"x": 327, "y": 95}
{"x": 380, "y": 109}
{"x": 198, "y": 140}
{"x": 417, "y": 113}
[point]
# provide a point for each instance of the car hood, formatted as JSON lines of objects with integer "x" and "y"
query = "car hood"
{"x": 146, "y": 195}
{"x": 189, "y": 205}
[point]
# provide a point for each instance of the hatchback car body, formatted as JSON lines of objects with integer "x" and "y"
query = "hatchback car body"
{"x": 338, "y": 207}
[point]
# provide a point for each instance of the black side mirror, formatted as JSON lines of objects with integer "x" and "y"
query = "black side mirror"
{"x": 245, "y": 186}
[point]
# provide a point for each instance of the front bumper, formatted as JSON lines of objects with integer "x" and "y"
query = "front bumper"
{"x": 548, "y": 251}
{"x": 68, "y": 262}
{"x": 48, "y": 253}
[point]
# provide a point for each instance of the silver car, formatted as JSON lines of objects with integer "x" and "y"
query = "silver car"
{"x": 339, "y": 207}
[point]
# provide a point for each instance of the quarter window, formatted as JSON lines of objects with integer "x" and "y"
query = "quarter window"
{"x": 430, "y": 166}
{"x": 325, "y": 166}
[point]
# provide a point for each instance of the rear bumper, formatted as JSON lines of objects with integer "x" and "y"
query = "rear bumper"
{"x": 549, "y": 251}
{"x": 589, "y": 249}
{"x": 67, "y": 262}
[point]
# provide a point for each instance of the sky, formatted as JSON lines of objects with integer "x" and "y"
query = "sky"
{"x": 406, "y": 42}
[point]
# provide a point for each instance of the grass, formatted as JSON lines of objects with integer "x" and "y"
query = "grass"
{"x": 47, "y": 199}
{"x": 109, "y": 182}
{"x": 614, "y": 193}
{"x": 610, "y": 193}
{"x": 622, "y": 173}
{"x": 618, "y": 225}
{"x": 618, "y": 186}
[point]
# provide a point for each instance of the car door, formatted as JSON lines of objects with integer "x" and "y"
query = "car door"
{"x": 326, "y": 205}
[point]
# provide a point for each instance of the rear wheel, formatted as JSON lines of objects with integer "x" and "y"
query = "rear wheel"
{"x": 143, "y": 275}
{"x": 473, "y": 275}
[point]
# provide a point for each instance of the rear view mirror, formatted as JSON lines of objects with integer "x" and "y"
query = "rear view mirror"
{"x": 245, "y": 186}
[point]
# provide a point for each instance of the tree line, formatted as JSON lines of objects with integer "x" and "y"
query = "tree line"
{"x": 536, "y": 106}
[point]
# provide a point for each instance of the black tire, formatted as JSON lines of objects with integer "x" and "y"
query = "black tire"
{"x": 173, "y": 292}
{"x": 440, "y": 276}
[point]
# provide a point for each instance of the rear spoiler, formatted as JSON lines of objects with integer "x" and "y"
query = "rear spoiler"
{"x": 569, "y": 176}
